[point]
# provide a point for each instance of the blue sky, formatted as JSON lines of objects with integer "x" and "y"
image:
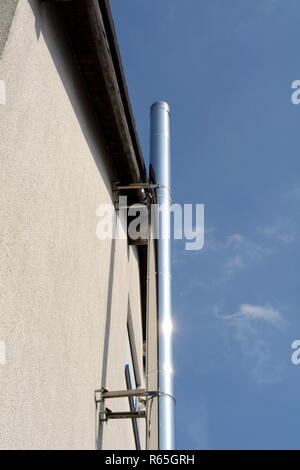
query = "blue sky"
{"x": 226, "y": 69}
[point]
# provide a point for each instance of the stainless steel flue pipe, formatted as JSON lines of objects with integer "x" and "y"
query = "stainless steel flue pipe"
{"x": 160, "y": 169}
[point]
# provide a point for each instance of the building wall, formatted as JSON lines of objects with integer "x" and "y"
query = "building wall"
{"x": 63, "y": 293}
{"x": 152, "y": 360}
{"x": 7, "y": 10}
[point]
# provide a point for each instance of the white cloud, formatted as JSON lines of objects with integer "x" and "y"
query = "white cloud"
{"x": 269, "y": 230}
{"x": 235, "y": 239}
{"x": 235, "y": 262}
{"x": 232, "y": 266}
{"x": 247, "y": 329}
{"x": 250, "y": 312}
{"x": 197, "y": 431}
{"x": 286, "y": 237}
{"x": 230, "y": 256}
{"x": 239, "y": 243}
{"x": 281, "y": 231}
{"x": 241, "y": 252}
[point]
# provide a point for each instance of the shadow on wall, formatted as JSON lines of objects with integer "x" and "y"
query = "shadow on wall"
{"x": 100, "y": 424}
{"x": 7, "y": 11}
{"x": 49, "y": 24}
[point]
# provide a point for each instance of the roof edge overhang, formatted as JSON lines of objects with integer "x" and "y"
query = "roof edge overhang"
{"x": 93, "y": 39}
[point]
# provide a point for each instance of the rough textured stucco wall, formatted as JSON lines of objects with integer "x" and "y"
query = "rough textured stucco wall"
{"x": 117, "y": 346}
{"x": 152, "y": 347}
{"x": 63, "y": 292}
{"x": 7, "y": 11}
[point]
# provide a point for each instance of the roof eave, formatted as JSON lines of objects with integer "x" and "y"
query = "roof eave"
{"x": 92, "y": 34}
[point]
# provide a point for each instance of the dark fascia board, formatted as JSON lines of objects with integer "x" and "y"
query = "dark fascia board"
{"x": 116, "y": 55}
{"x": 92, "y": 34}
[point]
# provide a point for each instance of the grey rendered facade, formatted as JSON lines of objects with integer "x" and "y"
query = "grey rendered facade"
{"x": 72, "y": 307}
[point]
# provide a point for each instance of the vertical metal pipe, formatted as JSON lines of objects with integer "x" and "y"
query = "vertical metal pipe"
{"x": 160, "y": 162}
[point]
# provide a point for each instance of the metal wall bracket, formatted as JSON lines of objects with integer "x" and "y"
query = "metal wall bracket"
{"x": 121, "y": 203}
{"x": 108, "y": 414}
{"x": 102, "y": 394}
{"x": 137, "y": 186}
{"x": 146, "y": 187}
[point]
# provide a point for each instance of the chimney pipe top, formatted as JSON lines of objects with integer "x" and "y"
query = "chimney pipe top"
{"x": 161, "y": 104}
